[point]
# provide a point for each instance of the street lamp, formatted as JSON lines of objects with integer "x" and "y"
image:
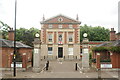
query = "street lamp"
{"x": 14, "y": 73}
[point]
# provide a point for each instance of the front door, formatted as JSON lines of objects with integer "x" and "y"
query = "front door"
{"x": 60, "y": 52}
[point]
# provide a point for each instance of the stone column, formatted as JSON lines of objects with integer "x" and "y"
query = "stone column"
{"x": 85, "y": 55}
{"x": 36, "y": 55}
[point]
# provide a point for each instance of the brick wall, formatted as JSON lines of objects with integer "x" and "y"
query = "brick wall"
{"x": 7, "y": 57}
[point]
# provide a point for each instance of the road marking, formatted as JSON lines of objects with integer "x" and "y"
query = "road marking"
{"x": 87, "y": 76}
{"x": 115, "y": 76}
{"x": 80, "y": 71}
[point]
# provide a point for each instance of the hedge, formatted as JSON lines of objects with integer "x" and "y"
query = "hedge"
{"x": 99, "y": 49}
{"x": 112, "y": 49}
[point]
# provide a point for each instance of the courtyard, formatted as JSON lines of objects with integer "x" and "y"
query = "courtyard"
{"x": 62, "y": 69}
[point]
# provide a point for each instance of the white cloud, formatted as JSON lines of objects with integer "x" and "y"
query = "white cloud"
{"x": 30, "y": 12}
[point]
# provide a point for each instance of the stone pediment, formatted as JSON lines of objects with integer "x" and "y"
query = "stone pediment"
{"x": 60, "y": 19}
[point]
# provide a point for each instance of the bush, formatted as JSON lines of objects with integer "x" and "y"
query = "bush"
{"x": 99, "y": 49}
{"x": 93, "y": 60}
{"x": 115, "y": 49}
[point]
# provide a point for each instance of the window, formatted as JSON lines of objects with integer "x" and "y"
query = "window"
{"x": 70, "y": 26}
{"x": 70, "y": 37}
{"x": 60, "y": 19}
{"x": 60, "y": 26}
{"x": 60, "y": 39}
{"x": 70, "y": 51}
{"x": 50, "y": 37}
{"x": 50, "y": 25}
{"x": 50, "y": 50}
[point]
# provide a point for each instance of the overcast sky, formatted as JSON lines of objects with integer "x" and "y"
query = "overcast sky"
{"x": 30, "y": 12}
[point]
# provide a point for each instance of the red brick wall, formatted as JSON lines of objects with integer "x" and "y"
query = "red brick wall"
{"x": 43, "y": 35}
{"x": 112, "y": 36}
{"x": 55, "y": 36}
{"x": 115, "y": 60}
{"x": 64, "y": 26}
{"x": 11, "y": 35}
{"x": 65, "y": 37}
{"x": 6, "y": 52}
{"x": 7, "y": 58}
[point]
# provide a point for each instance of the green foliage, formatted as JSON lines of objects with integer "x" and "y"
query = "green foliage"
{"x": 93, "y": 60}
{"x": 26, "y": 36}
{"x": 4, "y": 30}
{"x": 115, "y": 49}
{"x": 99, "y": 49}
{"x": 94, "y": 33}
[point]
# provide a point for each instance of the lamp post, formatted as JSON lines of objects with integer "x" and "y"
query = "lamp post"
{"x": 14, "y": 73}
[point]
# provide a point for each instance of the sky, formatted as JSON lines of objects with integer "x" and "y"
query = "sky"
{"x": 30, "y": 12}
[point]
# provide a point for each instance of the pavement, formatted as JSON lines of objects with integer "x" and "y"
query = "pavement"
{"x": 61, "y": 69}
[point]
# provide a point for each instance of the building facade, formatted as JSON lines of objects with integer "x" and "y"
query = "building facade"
{"x": 60, "y": 38}
{"x": 23, "y": 57}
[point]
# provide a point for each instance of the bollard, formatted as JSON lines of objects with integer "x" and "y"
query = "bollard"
{"x": 99, "y": 73}
{"x": 44, "y": 57}
{"x": 76, "y": 66}
{"x": 46, "y": 66}
{"x": 48, "y": 63}
{"x": 64, "y": 57}
{"x": 76, "y": 57}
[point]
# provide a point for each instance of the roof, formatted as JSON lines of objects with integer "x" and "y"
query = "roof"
{"x": 65, "y": 20}
{"x": 8, "y": 43}
{"x": 110, "y": 43}
{"x": 96, "y": 42}
{"x": 118, "y": 33}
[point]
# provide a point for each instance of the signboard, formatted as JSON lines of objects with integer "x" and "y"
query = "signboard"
{"x": 60, "y": 42}
{"x": 85, "y": 50}
{"x": 17, "y": 65}
{"x": 106, "y": 65}
{"x": 36, "y": 50}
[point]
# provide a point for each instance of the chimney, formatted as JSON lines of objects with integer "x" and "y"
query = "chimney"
{"x": 43, "y": 17}
{"x": 112, "y": 35}
{"x": 11, "y": 34}
{"x": 77, "y": 18}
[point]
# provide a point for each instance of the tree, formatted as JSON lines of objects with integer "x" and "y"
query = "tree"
{"x": 26, "y": 36}
{"x": 97, "y": 33}
{"x": 4, "y": 30}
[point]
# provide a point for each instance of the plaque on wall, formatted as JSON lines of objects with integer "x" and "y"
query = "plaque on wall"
{"x": 85, "y": 50}
{"x": 36, "y": 50}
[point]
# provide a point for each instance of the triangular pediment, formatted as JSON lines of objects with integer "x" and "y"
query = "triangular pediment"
{"x": 60, "y": 19}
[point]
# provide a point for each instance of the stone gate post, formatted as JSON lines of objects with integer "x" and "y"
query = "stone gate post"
{"x": 36, "y": 54}
{"x": 85, "y": 55}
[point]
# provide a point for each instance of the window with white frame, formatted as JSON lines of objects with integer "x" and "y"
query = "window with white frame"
{"x": 50, "y": 51}
{"x": 60, "y": 26}
{"x": 50, "y": 26}
{"x": 49, "y": 37}
{"x": 70, "y": 38}
{"x": 70, "y": 51}
{"x": 70, "y": 26}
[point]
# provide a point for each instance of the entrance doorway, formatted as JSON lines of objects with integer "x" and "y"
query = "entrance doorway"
{"x": 60, "y": 52}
